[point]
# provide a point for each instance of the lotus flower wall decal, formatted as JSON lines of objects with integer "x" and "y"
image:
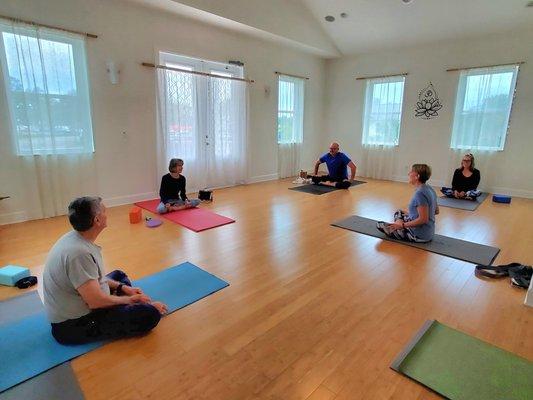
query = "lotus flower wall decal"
{"x": 428, "y": 103}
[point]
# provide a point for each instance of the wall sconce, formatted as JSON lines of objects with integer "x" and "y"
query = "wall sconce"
{"x": 112, "y": 72}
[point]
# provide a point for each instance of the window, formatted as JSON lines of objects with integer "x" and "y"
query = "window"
{"x": 290, "y": 109}
{"x": 45, "y": 76}
{"x": 383, "y": 111}
{"x": 483, "y": 107}
{"x": 203, "y": 114}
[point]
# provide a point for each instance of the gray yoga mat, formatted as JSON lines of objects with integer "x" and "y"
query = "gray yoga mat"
{"x": 469, "y": 205}
{"x": 446, "y": 246}
{"x": 21, "y": 306}
{"x": 320, "y": 189}
{"x": 56, "y": 383}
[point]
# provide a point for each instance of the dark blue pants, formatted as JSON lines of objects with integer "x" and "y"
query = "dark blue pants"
{"x": 340, "y": 183}
{"x": 108, "y": 323}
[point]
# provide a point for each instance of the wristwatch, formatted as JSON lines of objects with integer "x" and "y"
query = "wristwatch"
{"x": 118, "y": 291}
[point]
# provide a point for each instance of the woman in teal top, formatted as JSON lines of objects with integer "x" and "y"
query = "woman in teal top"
{"x": 418, "y": 223}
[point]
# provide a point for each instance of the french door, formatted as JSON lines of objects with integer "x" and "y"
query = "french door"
{"x": 202, "y": 119}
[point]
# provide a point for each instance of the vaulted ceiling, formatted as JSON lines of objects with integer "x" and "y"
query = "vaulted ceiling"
{"x": 370, "y": 25}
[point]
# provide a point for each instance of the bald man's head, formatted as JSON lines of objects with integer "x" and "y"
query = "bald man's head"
{"x": 334, "y": 148}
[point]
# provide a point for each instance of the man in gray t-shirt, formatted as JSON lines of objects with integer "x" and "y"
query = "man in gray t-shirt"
{"x": 82, "y": 303}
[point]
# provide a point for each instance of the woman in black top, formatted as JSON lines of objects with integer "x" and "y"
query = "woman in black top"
{"x": 172, "y": 190}
{"x": 465, "y": 180}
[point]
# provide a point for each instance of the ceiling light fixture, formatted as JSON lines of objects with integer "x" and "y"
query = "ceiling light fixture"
{"x": 329, "y": 18}
{"x": 407, "y": 1}
{"x": 344, "y": 15}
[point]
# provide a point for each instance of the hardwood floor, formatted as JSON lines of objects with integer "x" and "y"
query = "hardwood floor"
{"x": 312, "y": 311}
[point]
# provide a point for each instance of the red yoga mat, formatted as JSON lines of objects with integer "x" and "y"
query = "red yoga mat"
{"x": 196, "y": 219}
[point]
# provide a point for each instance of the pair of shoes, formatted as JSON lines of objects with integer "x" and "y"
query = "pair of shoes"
{"x": 495, "y": 271}
{"x": 382, "y": 226}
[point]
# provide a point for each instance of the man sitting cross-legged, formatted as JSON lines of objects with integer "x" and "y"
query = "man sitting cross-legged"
{"x": 82, "y": 303}
{"x": 337, "y": 163}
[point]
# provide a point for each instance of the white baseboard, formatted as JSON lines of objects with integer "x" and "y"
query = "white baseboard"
{"x": 263, "y": 178}
{"x": 13, "y": 218}
{"x": 496, "y": 189}
{"x": 511, "y": 192}
{"x": 129, "y": 199}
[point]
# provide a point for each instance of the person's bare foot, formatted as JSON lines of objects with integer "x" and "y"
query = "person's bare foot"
{"x": 161, "y": 307}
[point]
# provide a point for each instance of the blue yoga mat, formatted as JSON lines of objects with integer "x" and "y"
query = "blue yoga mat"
{"x": 180, "y": 286}
{"x": 27, "y": 347}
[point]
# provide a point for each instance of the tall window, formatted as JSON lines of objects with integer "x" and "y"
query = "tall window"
{"x": 45, "y": 75}
{"x": 383, "y": 111}
{"x": 290, "y": 109}
{"x": 483, "y": 107}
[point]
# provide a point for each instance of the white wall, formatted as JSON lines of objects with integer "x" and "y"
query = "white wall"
{"x": 511, "y": 171}
{"x": 129, "y": 34}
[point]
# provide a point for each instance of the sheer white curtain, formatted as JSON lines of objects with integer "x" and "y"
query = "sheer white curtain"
{"x": 226, "y": 155}
{"x": 482, "y": 108}
{"x": 46, "y": 84}
{"x": 204, "y": 121}
{"x": 178, "y": 124}
{"x": 482, "y": 111}
{"x": 291, "y": 93}
{"x": 381, "y": 126}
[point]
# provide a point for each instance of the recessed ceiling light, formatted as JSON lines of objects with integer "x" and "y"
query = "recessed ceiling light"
{"x": 344, "y": 15}
{"x": 407, "y": 1}
{"x": 329, "y": 18}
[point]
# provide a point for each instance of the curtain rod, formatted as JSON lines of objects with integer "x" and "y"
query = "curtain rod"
{"x": 484, "y": 66}
{"x": 380, "y": 76}
{"x": 158, "y": 66}
{"x": 89, "y": 35}
{"x": 292, "y": 76}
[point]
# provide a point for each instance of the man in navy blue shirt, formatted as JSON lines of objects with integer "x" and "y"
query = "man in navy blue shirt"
{"x": 337, "y": 163}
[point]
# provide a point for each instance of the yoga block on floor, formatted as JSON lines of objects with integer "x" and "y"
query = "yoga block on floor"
{"x": 501, "y": 198}
{"x": 10, "y": 274}
{"x": 135, "y": 215}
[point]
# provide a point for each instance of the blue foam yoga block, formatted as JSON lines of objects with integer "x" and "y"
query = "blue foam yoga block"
{"x": 10, "y": 274}
{"x": 501, "y": 198}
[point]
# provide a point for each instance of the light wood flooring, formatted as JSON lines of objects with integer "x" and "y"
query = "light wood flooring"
{"x": 312, "y": 311}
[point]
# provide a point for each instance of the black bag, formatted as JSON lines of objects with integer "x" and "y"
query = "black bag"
{"x": 205, "y": 195}
{"x": 25, "y": 283}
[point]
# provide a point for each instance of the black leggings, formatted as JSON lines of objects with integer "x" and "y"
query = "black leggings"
{"x": 340, "y": 183}
{"x": 108, "y": 323}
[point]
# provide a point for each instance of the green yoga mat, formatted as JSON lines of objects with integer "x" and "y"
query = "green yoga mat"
{"x": 459, "y": 366}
